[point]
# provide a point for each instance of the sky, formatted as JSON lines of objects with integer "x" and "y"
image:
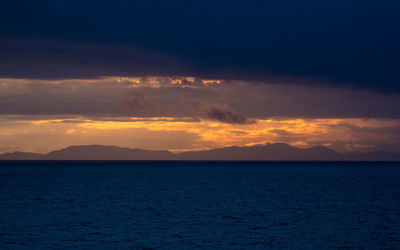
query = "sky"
{"x": 194, "y": 75}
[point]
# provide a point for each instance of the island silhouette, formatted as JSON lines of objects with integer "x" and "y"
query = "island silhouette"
{"x": 267, "y": 152}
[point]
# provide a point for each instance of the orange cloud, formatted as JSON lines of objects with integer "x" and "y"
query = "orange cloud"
{"x": 187, "y": 134}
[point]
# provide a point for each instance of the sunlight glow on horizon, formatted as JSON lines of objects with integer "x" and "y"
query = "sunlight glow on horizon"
{"x": 183, "y": 134}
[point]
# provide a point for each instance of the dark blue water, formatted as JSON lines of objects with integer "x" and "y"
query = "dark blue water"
{"x": 199, "y": 205}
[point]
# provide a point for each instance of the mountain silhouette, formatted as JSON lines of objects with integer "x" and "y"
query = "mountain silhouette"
{"x": 285, "y": 152}
{"x": 268, "y": 152}
{"x": 99, "y": 152}
{"x": 21, "y": 156}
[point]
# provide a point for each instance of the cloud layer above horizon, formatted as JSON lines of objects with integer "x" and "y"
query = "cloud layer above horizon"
{"x": 225, "y": 101}
{"x": 187, "y": 113}
{"x": 342, "y": 43}
{"x": 189, "y": 75}
{"x": 40, "y": 134}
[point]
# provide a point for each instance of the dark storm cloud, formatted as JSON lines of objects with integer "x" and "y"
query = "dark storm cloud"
{"x": 136, "y": 100}
{"x": 217, "y": 112}
{"x": 53, "y": 59}
{"x": 345, "y": 42}
{"x": 224, "y": 114}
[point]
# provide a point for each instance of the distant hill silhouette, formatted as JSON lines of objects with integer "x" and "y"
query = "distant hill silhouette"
{"x": 99, "y": 152}
{"x": 285, "y": 152}
{"x": 268, "y": 152}
{"x": 21, "y": 156}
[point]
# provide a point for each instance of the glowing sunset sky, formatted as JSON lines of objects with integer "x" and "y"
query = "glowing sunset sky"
{"x": 190, "y": 76}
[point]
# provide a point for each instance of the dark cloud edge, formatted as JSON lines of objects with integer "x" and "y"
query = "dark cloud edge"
{"x": 49, "y": 59}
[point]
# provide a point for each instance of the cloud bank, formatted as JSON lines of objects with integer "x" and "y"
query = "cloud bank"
{"x": 229, "y": 101}
{"x": 342, "y": 43}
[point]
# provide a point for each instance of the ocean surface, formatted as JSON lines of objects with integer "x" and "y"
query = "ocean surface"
{"x": 186, "y": 205}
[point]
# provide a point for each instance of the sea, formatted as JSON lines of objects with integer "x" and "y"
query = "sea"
{"x": 199, "y": 205}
